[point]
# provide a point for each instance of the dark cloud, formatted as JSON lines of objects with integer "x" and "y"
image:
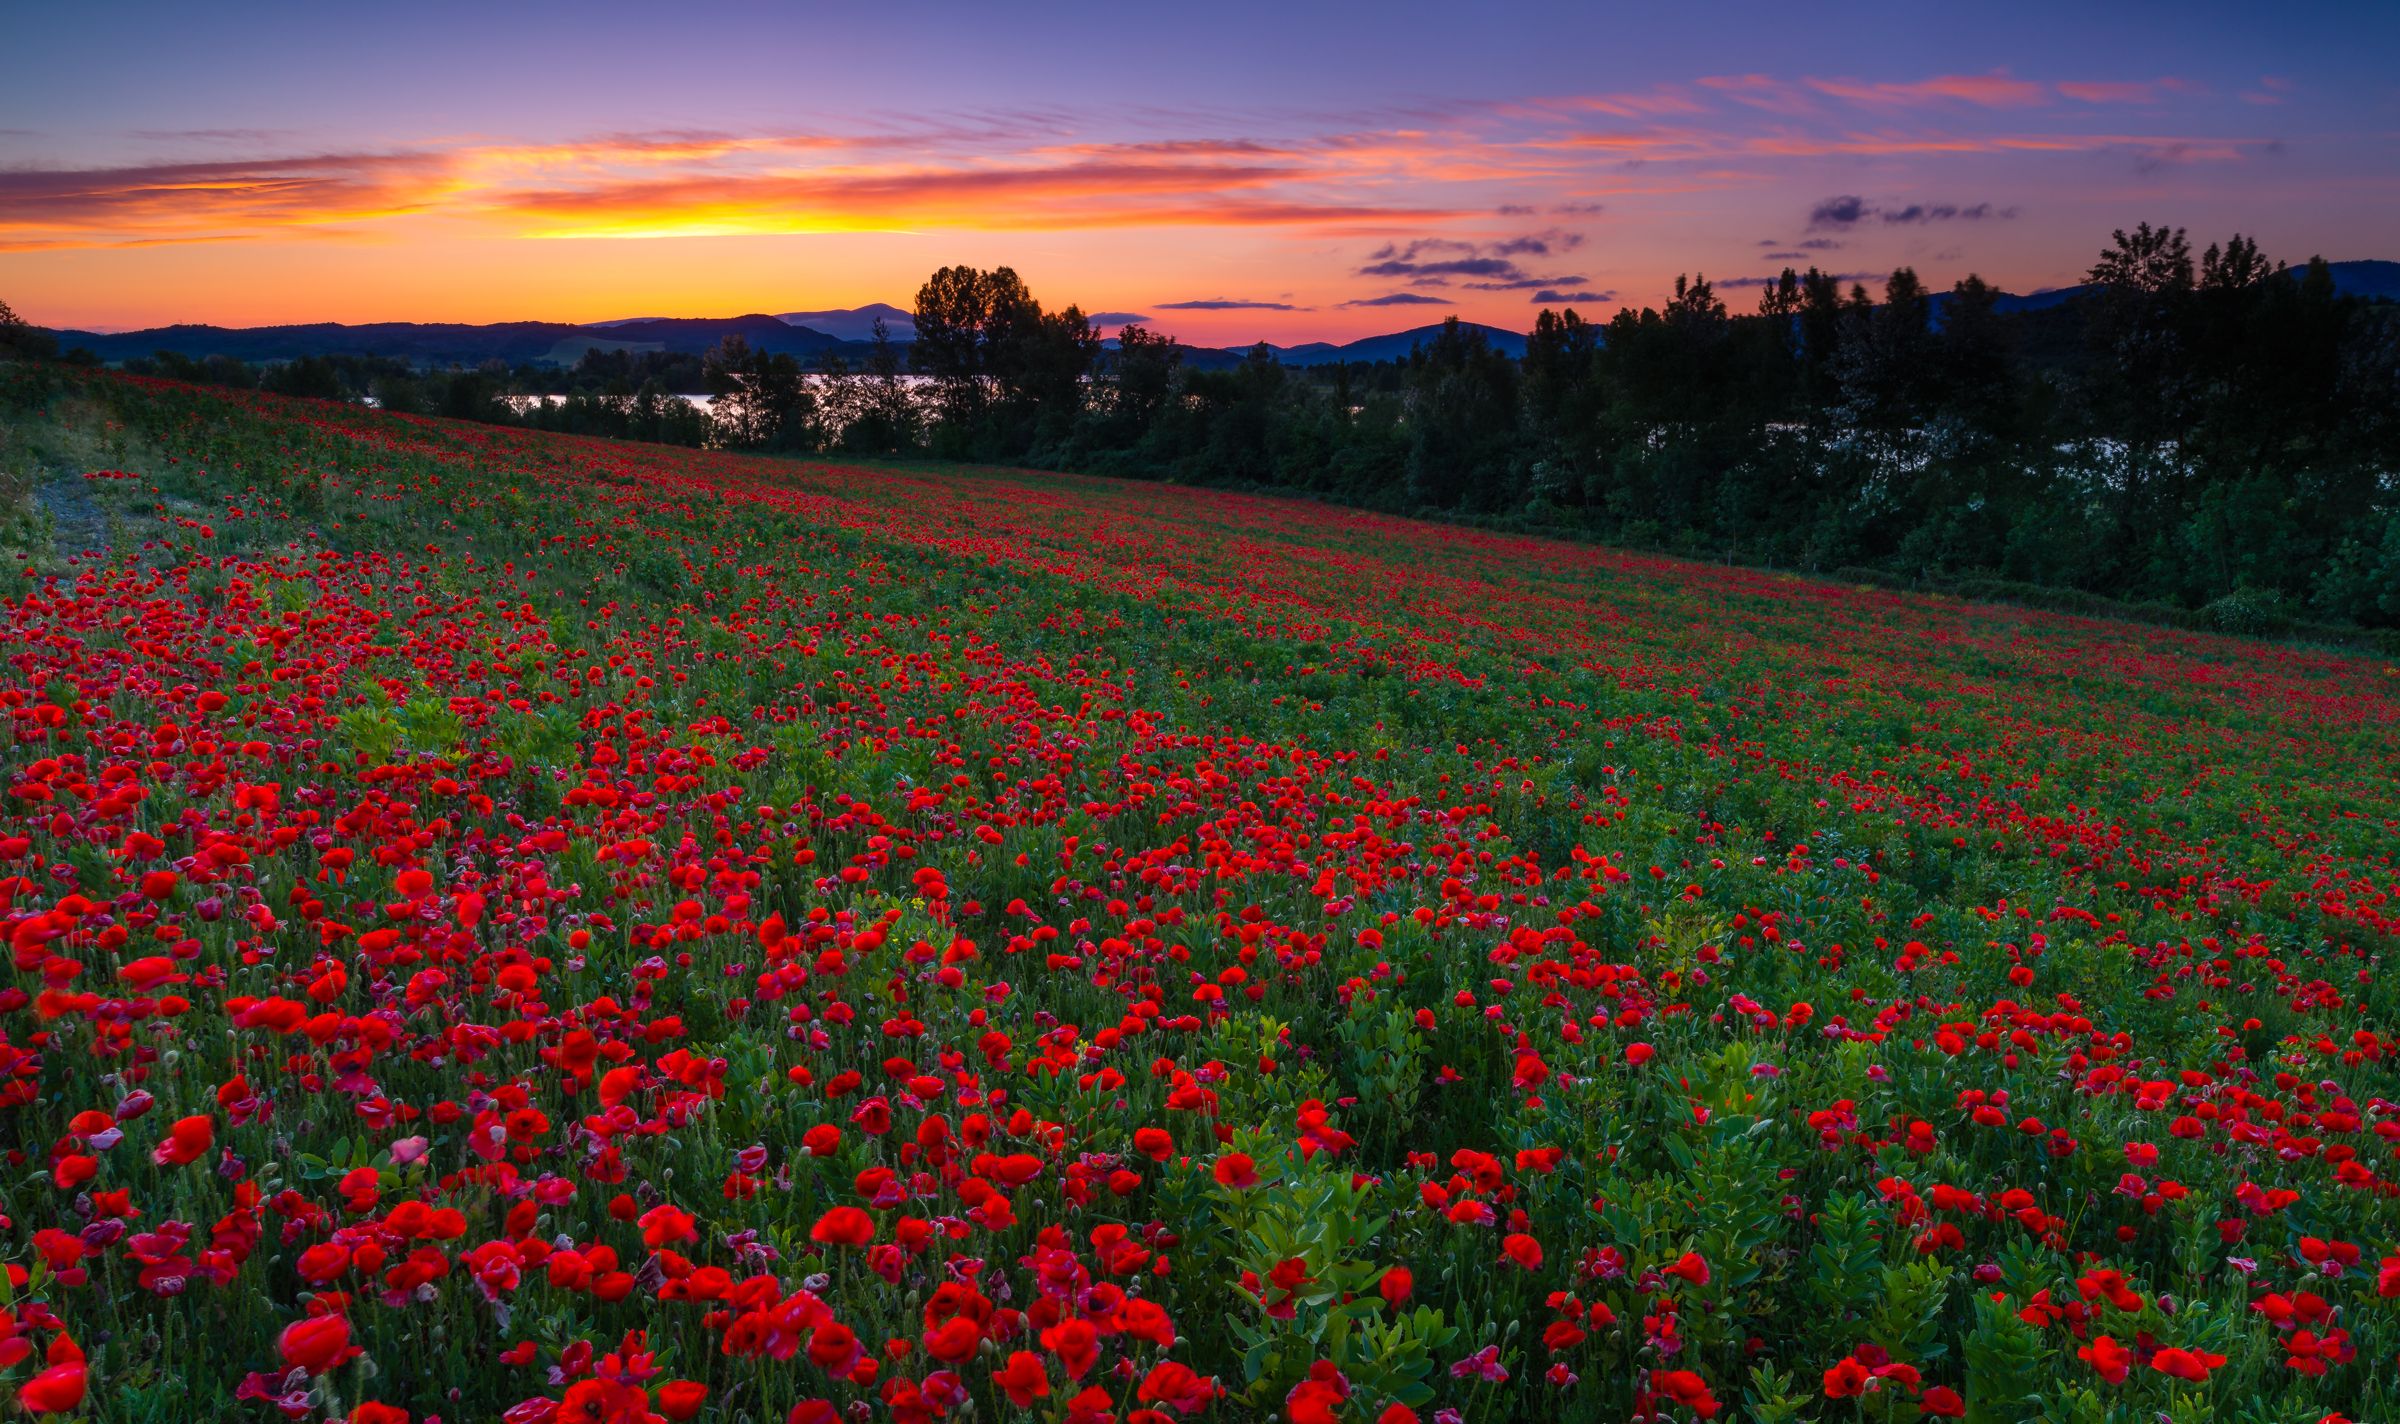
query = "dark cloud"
{"x": 1401, "y": 299}
{"x": 1393, "y": 252}
{"x": 1785, "y": 256}
{"x": 1547, "y": 297}
{"x": 1453, "y": 267}
{"x": 1117, "y": 318}
{"x": 1820, "y": 244}
{"x": 1578, "y": 210}
{"x": 1849, "y": 210}
{"x": 1945, "y": 212}
{"x": 1228, "y": 304}
{"x": 1480, "y": 267}
{"x": 1539, "y": 244}
{"x": 1838, "y": 212}
{"x": 1514, "y": 210}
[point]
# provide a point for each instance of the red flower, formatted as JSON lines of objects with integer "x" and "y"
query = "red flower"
{"x": 1522, "y": 1250}
{"x": 55, "y": 1390}
{"x": 953, "y": 1340}
{"x": 1686, "y": 1389}
{"x": 1942, "y": 1402}
{"x": 2111, "y": 1359}
{"x": 679, "y": 1399}
{"x": 187, "y": 1141}
{"x": 317, "y": 1344}
{"x": 1318, "y": 1399}
{"x": 1077, "y": 1345}
{"x": 1173, "y": 1383}
{"x": 1024, "y": 1378}
{"x": 843, "y": 1226}
{"x": 1847, "y": 1379}
{"x": 664, "y": 1226}
{"x": 1236, "y": 1170}
{"x": 2185, "y": 1364}
{"x": 833, "y": 1348}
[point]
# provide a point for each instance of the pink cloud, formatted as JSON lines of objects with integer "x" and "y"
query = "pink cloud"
{"x": 1996, "y": 90}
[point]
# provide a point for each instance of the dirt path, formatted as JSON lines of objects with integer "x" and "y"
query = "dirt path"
{"x": 78, "y": 525}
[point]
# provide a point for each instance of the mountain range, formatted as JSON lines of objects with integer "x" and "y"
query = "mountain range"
{"x": 810, "y": 335}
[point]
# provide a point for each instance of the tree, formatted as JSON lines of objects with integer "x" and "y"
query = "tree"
{"x": 1462, "y": 419}
{"x": 888, "y": 416}
{"x": 953, "y": 314}
{"x": 760, "y": 400}
{"x": 1562, "y": 402}
{"x": 1006, "y": 374}
{"x": 2148, "y": 262}
{"x": 23, "y": 340}
{"x": 1144, "y": 367}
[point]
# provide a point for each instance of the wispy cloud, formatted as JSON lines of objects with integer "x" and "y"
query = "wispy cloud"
{"x": 1995, "y": 90}
{"x": 1228, "y": 304}
{"x": 1401, "y": 299}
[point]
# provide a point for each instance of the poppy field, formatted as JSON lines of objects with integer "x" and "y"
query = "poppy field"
{"x": 511, "y": 926}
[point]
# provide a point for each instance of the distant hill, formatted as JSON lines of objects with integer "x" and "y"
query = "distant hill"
{"x": 856, "y": 323}
{"x": 563, "y": 344}
{"x": 2370, "y": 279}
{"x": 1393, "y": 347}
{"x": 811, "y": 335}
{"x": 459, "y": 344}
{"x": 694, "y": 334}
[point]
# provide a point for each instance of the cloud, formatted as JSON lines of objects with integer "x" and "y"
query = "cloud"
{"x": 1228, "y": 304}
{"x": 1849, "y": 209}
{"x": 1547, "y": 297}
{"x": 1945, "y": 212}
{"x": 166, "y": 202}
{"x": 985, "y": 175}
{"x": 1995, "y": 90}
{"x": 1401, "y": 299}
{"x": 2272, "y": 89}
{"x": 1838, "y": 212}
{"x": 1760, "y": 91}
{"x": 1784, "y": 256}
{"x": 1455, "y": 267}
{"x": 1118, "y": 318}
{"x": 1481, "y": 267}
{"x": 1539, "y": 244}
{"x": 1519, "y": 284}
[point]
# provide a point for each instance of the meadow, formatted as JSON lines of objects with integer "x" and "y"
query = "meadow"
{"x": 506, "y": 925}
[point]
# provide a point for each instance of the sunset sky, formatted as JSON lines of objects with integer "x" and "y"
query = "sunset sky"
{"x": 1226, "y": 171}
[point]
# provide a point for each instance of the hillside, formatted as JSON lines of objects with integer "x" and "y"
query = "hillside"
{"x": 818, "y": 917}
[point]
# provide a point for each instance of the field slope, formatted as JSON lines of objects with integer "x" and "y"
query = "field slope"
{"x": 507, "y": 925}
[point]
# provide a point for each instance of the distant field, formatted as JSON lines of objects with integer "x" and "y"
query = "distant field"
{"x": 506, "y": 925}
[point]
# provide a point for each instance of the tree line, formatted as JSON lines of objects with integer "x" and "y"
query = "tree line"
{"x": 2214, "y": 431}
